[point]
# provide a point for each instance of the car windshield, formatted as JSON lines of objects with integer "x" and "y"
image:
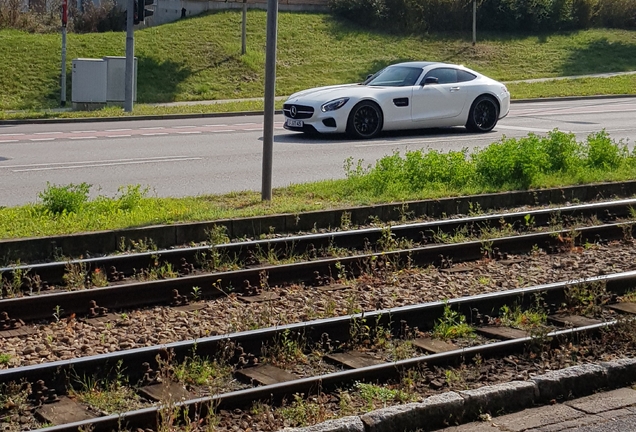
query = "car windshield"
{"x": 395, "y": 76}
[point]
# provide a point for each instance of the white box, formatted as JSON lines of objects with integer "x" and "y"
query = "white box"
{"x": 88, "y": 81}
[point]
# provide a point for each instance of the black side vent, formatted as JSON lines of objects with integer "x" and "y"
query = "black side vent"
{"x": 401, "y": 102}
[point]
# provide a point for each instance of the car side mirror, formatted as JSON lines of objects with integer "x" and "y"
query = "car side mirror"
{"x": 430, "y": 80}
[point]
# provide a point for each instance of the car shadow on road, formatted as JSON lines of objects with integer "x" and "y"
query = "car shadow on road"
{"x": 301, "y": 138}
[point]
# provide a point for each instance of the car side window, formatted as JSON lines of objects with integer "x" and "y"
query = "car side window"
{"x": 443, "y": 75}
{"x": 463, "y": 76}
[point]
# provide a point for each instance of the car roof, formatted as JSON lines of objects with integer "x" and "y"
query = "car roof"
{"x": 424, "y": 64}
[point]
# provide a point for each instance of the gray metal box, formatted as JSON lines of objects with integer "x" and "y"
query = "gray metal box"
{"x": 88, "y": 81}
{"x": 115, "y": 79}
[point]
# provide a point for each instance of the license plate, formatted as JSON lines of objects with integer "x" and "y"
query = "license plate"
{"x": 294, "y": 123}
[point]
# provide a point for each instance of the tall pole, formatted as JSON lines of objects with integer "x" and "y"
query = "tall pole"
{"x": 63, "y": 74}
{"x": 270, "y": 92}
{"x": 474, "y": 22}
{"x": 244, "y": 29}
{"x": 130, "y": 57}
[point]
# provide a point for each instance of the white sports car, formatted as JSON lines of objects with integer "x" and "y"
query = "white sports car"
{"x": 409, "y": 95}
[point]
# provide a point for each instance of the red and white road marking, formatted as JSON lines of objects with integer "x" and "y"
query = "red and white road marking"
{"x": 140, "y": 132}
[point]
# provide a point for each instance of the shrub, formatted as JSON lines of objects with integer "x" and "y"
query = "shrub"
{"x": 130, "y": 196}
{"x": 44, "y": 16}
{"x": 419, "y": 16}
{"x": 513, "y": 162}
{"x": 603, "y": 152}
{"x": 64, "y": 199}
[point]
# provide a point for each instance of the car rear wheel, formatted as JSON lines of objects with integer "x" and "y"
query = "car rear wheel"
{"x": 483, "y": 114}
{"x": 365, "y": 120}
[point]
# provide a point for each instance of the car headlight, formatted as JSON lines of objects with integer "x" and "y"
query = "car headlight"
{"x": 334, "y": 104}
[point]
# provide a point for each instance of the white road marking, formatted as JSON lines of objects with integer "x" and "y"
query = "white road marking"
{"x": 105, "y": 164}
{"x": 253, "y": 129}
{"x": 117, "y": 136}
{"x": 84, "y": 131}
{"x": 81, "y": 138}
{"x": 520, "y": 128}
{"x": 117, "y": 130}
{"x": 47, "y": 133}
{"x": 151, "y": 128}
{"x": 155, "y": 134}
{"x": 189, "y": 132}
{"x": 244, "y": 124}
{"x": 223, "y": 130}
{"x": 13, "y": 134}
{"x": 576, "y": 112}
{"x": 183, "y": 127}
{"x": 107, "y": 161}
{"x": 424, "y": 141}
{"x": 41, "y": 139}
{"x": 8, "y": 141}
{"x": 216, "y": 125}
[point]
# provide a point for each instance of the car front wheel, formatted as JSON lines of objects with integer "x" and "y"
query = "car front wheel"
{"x": 365, "y": 120}
{"x": 483, "y": 114}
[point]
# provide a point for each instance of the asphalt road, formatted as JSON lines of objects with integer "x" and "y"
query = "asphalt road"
{"x": 218, "y": 155}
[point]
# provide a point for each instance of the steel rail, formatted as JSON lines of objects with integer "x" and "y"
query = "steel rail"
{"x": 150, "y": 416}
{"x": 140, "y": 294}
{"x": 53, "y": 272}
{"x": 422, "y": 315}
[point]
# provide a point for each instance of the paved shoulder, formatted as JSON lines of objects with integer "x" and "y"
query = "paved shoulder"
{"x": 601, "y": 412}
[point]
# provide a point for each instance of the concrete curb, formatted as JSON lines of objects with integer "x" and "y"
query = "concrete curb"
{"x": 452, "y": 408}
{"x": 250, "y": 113}
{"x": 132, "y": 118}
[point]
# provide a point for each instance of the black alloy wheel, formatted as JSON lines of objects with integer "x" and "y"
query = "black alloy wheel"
{"x": 483, "y": 114}
{"x": 365, "y": 120}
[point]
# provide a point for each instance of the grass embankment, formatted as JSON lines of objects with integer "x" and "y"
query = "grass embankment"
{"x": 199, "y": 58}
{"x": 533, "y": 161}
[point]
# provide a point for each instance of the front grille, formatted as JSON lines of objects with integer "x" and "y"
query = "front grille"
{"x": 302, "y": 111}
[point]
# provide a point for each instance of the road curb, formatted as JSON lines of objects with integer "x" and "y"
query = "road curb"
{"x": 133, "y": 118}
{"x": 250, "y": 113}
{"x": 452, "y": 408}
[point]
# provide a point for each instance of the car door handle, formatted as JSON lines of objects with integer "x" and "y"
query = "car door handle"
{"x": 454, "y": 89}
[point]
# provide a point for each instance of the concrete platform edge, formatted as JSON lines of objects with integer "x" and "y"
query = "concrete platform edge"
{"x": 454, "y": 408}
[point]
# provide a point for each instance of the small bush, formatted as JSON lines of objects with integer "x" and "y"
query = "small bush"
{"x": 130, "y": 196}
{"x": 64, "y": 199}
{"x": 514, "y": 162}
{"x": 603, "y": 153}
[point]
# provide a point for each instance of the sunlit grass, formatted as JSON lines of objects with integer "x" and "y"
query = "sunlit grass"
{"x": 199, "y": 58}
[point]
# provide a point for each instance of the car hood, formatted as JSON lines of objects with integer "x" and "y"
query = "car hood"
{"x": 327, "y": 93}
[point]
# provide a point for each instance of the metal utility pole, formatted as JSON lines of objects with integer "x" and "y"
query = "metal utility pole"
{"x": 474, "y": 22}
{"x": 244, "y": 29}
{"x": 270, "y": 92}
{"x": 63, "y": 74}
{"x": 130, "y": 57}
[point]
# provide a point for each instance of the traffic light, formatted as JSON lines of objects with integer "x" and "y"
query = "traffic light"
{"x": 136, "y": 19}
{"x": 142, "y": 8}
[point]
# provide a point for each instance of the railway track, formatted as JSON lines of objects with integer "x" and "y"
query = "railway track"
{"x": 342, "y": 342}
{"x": 312, "y": 256}
{"x": 340, "y": 335}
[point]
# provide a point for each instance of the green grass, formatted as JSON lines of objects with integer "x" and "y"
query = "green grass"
{"x": 199, "y": 58}
{"x": 510, "y": 164}
{"x": 140, "y": 109}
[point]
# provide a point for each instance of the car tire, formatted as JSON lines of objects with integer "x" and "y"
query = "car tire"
{"x": 483, "y": 114}
{"x": 365, "y": 120}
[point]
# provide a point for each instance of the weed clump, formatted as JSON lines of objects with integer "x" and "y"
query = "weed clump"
{"x": 511, "y": 163}
{"x": 64, "y": 199}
